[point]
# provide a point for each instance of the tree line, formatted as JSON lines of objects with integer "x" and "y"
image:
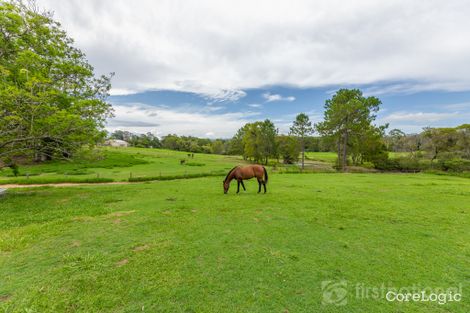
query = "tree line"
{"x": 347, "y": 129}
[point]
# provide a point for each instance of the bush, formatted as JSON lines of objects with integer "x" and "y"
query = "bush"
{"x": 401, "y": 164}
{"x": 454, "y": 165}
{"x": 194, "y": 164}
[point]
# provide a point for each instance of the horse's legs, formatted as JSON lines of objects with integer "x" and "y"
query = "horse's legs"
{"x": 259, "y": 186}
{"x": 238, "y": 186}
{"x": 264, "y": 185}
{"x": 243, "y": 185}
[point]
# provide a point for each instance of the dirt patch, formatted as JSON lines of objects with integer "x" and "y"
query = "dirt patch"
{"x": 117, "y": 221}
{"x": 122, "y": 262}
{"x": 121, "y": 213}
{"x": 141, "y": 248}
{"x": 83, "y": 218}
{"x": 75, "y": 244}
{"x": 4, "y": 298}
{"x": 62, "y": 201}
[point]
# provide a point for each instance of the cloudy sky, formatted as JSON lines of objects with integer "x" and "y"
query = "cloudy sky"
{"x": 207, "y": 67}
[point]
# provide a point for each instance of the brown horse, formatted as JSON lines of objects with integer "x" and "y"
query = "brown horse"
{"x": 246, "y": 172}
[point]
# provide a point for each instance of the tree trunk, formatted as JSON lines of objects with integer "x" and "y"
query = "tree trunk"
{"x": 303, "y": 153}
{"x": 345, "y": 152}
{"x": 339, "y": 153}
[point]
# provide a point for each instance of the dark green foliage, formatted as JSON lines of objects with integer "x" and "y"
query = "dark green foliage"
{"x": 301, "y": 128}
{"x": 288, "y": 148}
{"x": 401, "y": 164}
{"x": 195, "y": 145}
{"x": 194, "y": 164}
{"x": 257, "y": 141}
{"x": 454, "y": 165}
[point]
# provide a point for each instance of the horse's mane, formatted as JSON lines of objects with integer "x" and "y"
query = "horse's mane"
{"x": 230, "y": 172}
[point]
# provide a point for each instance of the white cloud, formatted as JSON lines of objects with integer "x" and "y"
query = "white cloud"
{"x": 458, "y": 106}
{"x": 218, "y": 48}
{"x": 160, "y": 120}
{"x": 255, "y": 105}
{"x": 419, "y": 116}
{"x": 276, "y": 97}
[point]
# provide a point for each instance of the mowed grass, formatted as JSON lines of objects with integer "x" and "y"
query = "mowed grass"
{"x": 120, "y": 164}
{"x": 329, "y": 157}
{"x": 183, "y": 246}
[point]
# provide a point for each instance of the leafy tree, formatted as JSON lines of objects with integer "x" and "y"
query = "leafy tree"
{"x": 236, "y": 146}
{"x": 412, "y": 144}
{"x": 170, "y": 141}
{"x": 288, "y": 148}
{"x": 347, "y": 114}
{"x": 301, "y": 128}
{"x": 217, "y": 147}
{"x": 259, "y": 141}
{"x": 395, "y": 140}
{"x": 51, "y": 102}
{"x": 267, "y": 138}
{"x": 439, "y": 140}
{"x": 463, "y": 140}
{"x": 369, "y": 146}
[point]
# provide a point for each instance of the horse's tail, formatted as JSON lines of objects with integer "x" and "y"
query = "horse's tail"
{"x": 265, "y": 174}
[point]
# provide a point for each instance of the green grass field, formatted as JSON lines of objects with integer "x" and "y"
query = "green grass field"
{"x": 183, "y": 246}
{"x": 329, "y": 157}
{"x": 119, "y": 164}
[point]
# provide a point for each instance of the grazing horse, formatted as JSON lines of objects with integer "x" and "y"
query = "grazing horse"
{"x": 241, "y": 173}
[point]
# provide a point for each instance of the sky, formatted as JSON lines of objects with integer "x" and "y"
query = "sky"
{"x": 206, "y": 67}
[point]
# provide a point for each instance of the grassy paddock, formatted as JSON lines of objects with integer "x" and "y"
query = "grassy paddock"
{"x": 122, "y": 164}
{"x": 183, "y": 246}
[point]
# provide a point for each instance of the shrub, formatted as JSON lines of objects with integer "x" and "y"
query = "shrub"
{"x": 401, "y": 164}
{"x": 194, "y": 164}
{"x": 454, "y": 165}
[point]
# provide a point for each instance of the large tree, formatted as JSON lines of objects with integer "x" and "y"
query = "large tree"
{"x": 288, "y": 149}
{"x": 439, "y": 140}
{"x": 463, "y": 140}
{"x": 257, "y": 141}
{"x": 302, "y": 127}
{"x": 51, "y": 102}
{"x": 347, "y": 115}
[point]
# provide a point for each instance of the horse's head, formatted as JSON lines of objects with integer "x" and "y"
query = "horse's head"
{"x": 226, "y": 185}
